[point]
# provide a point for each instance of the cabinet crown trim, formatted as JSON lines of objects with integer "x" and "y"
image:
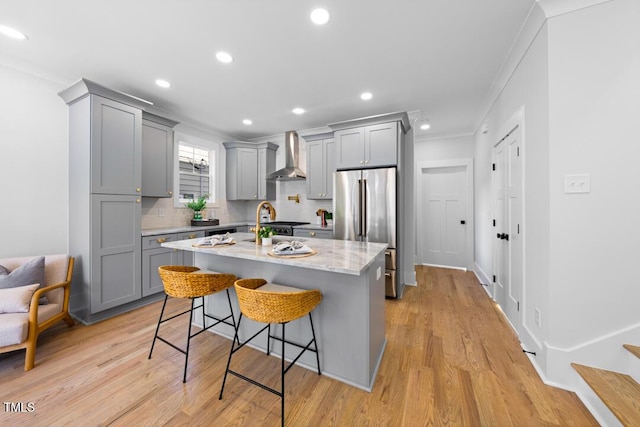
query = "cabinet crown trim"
{"x": 242, "y": 144}
{"x": 400, "y": 116}
{"x": 84, "y": 87}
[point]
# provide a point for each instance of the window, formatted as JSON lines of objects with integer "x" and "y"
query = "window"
{"x": 196, "y": 172}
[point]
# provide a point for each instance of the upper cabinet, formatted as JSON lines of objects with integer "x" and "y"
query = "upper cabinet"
{"x": 157, "y": 156}
{"x": 320, "y": 165}
{"x": 116, "y": 141}
{"x": 369, "y": 142}
{"x": 247, "y": 168}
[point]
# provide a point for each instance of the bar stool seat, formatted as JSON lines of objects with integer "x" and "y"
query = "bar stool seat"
{"x": 272, "y": 303}
{"x": 181, "y": 281}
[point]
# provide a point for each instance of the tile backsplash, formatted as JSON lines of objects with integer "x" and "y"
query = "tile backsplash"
{"x": 159, "y": 213}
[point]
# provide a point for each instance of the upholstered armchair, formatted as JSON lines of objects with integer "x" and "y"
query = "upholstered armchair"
{"x": 27, "y": 310}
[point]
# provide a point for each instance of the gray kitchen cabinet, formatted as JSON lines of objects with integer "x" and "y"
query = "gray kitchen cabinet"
{"x": 316, "y": 234}
{"x": 320, "y": 165}
{"x": 116, "y": 141}
{"x": 114, "y": 251}
{"x": 153, "y": 256}
{"x": 247, "y": 168}
{"x": 186, "y": 257}
{"x": 105, "y": 134}
{"x": 157, "y": 156}
{"x": 367, "y": 146}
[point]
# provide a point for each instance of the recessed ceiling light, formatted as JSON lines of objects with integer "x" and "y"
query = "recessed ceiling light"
{"x": 224, "y": 57}
{"x": 320, "y": 16}
{"x": 366, "y": 96}
{"x": 424, "y": 125}
{"x": 163, "y": 83}
{"x": 298, "y": 111}
{"x": 11, "y": 32}
{"x": 247, "y": 122}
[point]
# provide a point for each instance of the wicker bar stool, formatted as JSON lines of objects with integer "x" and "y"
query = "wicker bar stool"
{"x": 271, "y": 303}
{"x": 190, "y": 282}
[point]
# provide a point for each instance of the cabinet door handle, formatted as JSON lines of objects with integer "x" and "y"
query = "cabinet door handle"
{"x": 161, "y": 239}
{"x": 138, "y": 189}
{"x": 312, "y": 233}
{"x": 171, "y": 193}
{"x": 137, "y": 200}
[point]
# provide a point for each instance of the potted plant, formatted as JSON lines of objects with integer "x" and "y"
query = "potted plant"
{"x": 266, "y": 234}
{"x": 197, "y": 206}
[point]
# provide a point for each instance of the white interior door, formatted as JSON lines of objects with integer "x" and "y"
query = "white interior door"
{"x": 501, "y": 258}
{"x": 509, "y": 227}
{"x": 443, "y": 216}
{"x": 514, "y": 232}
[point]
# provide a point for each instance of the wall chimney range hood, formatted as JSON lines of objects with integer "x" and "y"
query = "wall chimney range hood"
{"x": 291, "y": 171}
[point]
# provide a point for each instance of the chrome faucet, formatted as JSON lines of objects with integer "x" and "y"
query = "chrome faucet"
{"x": 272, "y": 215}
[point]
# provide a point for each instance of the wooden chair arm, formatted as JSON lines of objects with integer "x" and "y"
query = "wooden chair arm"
{"x": 33, "y": 307}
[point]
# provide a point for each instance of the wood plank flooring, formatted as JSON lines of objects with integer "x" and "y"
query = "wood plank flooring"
{"x": 451, "y": 360}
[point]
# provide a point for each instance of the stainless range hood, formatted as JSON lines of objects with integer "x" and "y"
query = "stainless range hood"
{"x": 291, "y": 171}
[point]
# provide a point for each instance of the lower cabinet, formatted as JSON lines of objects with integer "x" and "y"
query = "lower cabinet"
{"x": 154, "y": 255}
{"x": 316, "y": 234}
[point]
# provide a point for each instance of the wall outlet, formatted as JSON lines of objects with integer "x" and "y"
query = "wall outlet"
{"x": 536, "y": 316}
{"x": 577, "y": 183}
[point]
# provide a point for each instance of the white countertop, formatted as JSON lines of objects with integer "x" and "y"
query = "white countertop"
{"x": 340, "y": 256}
{"x": 188, "y": 228}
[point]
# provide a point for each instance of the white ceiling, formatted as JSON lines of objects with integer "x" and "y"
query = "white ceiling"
{"x": 439, "y": 57}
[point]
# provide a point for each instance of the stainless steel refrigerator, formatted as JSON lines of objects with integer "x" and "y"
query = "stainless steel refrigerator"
{"x": 365, "y": 209}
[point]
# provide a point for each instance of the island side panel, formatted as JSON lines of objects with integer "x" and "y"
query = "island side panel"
{"x": 349, "y": 322}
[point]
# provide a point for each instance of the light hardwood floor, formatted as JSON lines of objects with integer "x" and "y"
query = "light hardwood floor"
{"x": 451, "y": 359}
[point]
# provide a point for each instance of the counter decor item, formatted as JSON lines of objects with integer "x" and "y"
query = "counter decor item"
{"x": 292, "y": 249}
{"x": 197, "y": 206}
{"x": 215, "y": 240}
{"x": 266, "y": 233}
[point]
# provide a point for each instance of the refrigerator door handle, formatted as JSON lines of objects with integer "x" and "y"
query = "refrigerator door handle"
{"x": 364, "y": 209}
{"x": 359, "y": 219}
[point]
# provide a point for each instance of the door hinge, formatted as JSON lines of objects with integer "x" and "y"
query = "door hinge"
{"x": 494, "y": 166}
{"x": 494, "y": 278}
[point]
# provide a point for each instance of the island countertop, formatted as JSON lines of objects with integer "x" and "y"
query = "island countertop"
{"x": 340, "y": 256}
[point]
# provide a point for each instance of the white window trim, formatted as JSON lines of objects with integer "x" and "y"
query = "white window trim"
{"x": 214, "y": 147}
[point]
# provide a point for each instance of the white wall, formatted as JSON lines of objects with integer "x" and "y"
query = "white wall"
{"x": 594, "y": 85}
{"x": 33, "y": 166}
{"x": 526, "y": 87}
{"x": 578, "y": 83}
{"x": 444, "y": 148}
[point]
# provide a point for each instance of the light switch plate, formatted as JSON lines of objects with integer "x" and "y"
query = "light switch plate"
{"x": 577, "y": 183}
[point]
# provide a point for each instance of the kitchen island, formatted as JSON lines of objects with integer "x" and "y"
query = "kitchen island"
{"x": 350, "y": 320}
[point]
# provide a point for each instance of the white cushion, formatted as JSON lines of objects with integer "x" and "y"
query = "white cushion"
{"x": 17, "y": 300}
{"x": 14, "y": 327}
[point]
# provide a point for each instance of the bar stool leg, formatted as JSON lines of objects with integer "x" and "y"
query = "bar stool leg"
{"x": 282, "y": 375}
{"x": 233, "y": 319}
{"x": 186, "y": 358}
{"x": 268, "y": 339}
{"x": 226, "y": 371}
{"x": 315, "y": 343}
{"x": 158, "y": 327}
